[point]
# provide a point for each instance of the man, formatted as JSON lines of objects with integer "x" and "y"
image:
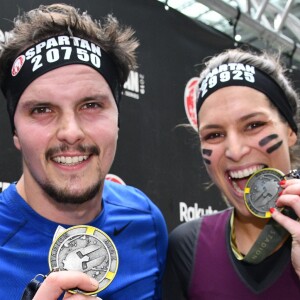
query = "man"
{"x": 62, "y": 75}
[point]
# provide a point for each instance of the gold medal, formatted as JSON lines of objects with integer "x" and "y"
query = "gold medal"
{"x": 262, "y": 190}
{"x": 86, "y": 249}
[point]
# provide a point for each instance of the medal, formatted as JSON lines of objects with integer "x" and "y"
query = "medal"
{"x": 86, "y": 249}
{"x": 262, "y": 190}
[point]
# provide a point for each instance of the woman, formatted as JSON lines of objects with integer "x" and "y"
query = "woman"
{"x": 247, "y": 125}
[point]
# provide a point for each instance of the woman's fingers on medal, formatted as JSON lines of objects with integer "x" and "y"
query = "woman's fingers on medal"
{"x": 289, "y": 200}
{"x": 290, "y": 195}
{"x": 58, "y": 282}
{"x": 289, "y": 224}
{"x": 291, "y": 185}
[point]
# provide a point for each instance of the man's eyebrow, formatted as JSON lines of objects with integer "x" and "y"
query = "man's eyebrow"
{"x": 95, "y": 97}
{"x": 31, "y": 103}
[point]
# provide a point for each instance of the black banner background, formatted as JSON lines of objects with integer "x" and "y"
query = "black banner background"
{"x": 154, "y": 154}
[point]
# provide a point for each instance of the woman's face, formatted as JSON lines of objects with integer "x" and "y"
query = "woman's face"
{"x": 241, "y": 132}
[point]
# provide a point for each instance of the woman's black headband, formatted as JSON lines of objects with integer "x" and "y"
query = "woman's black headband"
{"x": 239, "y": 74}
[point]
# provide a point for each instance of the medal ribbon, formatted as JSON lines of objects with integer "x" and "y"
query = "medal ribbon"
{"x": 269, "y": 239}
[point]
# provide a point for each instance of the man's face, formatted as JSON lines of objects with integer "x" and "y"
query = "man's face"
{"x": 67, "y": 129}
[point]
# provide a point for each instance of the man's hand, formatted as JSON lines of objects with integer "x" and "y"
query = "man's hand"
{"x": 58, "y": 282}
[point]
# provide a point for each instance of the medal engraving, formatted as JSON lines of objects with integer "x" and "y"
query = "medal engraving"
{"x": 86, "y": 249}
{"x": 261, "y": 191}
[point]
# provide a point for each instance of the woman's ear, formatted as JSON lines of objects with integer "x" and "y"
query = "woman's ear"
{"x": 292, "y": 137}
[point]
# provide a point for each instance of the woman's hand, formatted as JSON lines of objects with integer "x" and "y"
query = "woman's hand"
{"x": 58, "y": 282}
{"x": 290, "y": 197}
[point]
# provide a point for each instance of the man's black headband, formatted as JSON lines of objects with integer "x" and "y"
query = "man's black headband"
{"x": 52, "y": 53}
{"x": 238, "y": 74}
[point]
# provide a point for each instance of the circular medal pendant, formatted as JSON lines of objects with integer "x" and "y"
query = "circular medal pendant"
{"x": 262, "y": 190}
{"x": 86, "y": 249}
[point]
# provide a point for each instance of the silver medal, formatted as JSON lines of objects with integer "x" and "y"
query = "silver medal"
{"x": 86, "y": 249}
{"x": 261, "y": 191}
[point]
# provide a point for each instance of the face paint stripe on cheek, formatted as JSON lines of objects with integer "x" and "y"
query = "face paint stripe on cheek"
{"x": 206, "y": 161}
{"x": 267, "y": 139}
{"x": 275, "y": 147}
{"x": 207, "y": 152}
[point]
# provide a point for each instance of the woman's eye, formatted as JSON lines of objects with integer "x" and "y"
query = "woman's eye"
{"x": 211, "y": 136}
{"x": 255, "y": 125}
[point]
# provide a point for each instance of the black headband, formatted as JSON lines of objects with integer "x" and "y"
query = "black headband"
{"x": 238, "y": 74}
{"x": 52, "y": 53}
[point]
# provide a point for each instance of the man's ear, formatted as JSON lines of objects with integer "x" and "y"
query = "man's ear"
{"x": 16, "y": 140}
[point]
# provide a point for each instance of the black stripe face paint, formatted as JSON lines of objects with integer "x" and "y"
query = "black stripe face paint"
{"x": 206, "y": 161}
{"x": 274, "y": 147}
{"x": 266, "y": 140}
{"x": 206, "y": 152}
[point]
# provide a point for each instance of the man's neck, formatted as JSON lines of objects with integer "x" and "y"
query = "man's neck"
{"x": 69, "y": 214}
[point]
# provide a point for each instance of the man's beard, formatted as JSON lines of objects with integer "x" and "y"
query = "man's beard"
{"x": 65, "y": 197}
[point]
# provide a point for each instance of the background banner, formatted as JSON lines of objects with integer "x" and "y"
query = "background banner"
{"x": 155, "y": 153}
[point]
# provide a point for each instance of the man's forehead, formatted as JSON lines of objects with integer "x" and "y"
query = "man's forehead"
{"x": 79, "y": 77}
